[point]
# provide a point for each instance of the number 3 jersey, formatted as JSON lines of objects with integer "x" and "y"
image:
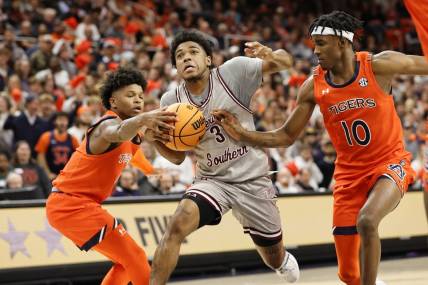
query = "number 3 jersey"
{"x": 360, "y": 119}
{"x": 219, "y": 156}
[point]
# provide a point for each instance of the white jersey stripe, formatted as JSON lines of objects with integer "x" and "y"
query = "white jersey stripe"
{"x": 207, "y": 197}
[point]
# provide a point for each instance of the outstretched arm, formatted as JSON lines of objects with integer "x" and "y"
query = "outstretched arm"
{"x": 273, "y": 61}
{"x": 393, "y": 62}
{"x": 282, "y": 137}
{"x": 120, "y": 131}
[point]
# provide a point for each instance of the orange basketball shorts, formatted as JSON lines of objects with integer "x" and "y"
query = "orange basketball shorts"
{"x": 351, "y": 195}
{"x": 80, "y": 219}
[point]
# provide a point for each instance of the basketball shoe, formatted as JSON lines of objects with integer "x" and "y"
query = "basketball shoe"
{"x": 380, "y": 282}
{"x": 289, "y": 270}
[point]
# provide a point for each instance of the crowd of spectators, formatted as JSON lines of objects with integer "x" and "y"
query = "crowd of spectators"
{"x": 53, "y": 54}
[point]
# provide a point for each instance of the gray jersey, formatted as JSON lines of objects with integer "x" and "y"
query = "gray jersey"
{"x": 230, "y": 88}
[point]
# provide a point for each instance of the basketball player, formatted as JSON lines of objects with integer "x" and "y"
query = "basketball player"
{"x": 74, "y": 207}
{"x": 419, "y": 12}
{"x": 230, "y": 175}
{"x": 353, "y": 90}
{"x": 425, "y": 169}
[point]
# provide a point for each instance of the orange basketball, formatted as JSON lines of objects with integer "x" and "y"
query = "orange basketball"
{"x": 189, "y": 128}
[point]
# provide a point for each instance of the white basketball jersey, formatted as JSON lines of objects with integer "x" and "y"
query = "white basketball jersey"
{"x": 218, "y": 155}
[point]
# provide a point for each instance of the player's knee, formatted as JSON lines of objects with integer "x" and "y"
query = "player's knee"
{"x": 366, "y": 224}
{"x": 349, "y": 277}
{"x": 178, "y": 229}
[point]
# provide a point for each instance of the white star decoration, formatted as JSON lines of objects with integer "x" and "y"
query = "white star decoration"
{"x": 52, "y": 239}
{"x": 15, "y": 239}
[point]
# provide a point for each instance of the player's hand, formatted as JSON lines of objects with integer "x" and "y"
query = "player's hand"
{"x": 152, "y": 136}
{"x": 229, "y": 123}
{"x": 256, "y": 49}
{"x": 159, "y": 120}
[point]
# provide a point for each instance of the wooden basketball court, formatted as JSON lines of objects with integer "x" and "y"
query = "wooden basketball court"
{"x": 407, "y": 271}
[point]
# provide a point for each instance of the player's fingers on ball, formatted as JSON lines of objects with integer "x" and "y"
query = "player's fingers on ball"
{"x": 166, "y": 126}
{"x": 169, "y": 118}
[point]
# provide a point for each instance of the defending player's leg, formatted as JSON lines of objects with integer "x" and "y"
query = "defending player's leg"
{"x": 276, "y": 257}
{"x": 426, "y": 203}
{"x": 122, "y": 249}
{"x": 384, "y": 197}
{"x": 184, "y": 222}
{"x": 347, "y": 243}
{"x": 116, "y": 275}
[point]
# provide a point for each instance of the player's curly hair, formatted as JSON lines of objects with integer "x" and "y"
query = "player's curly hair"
{"x": 120, "y": 78}
{"x": 338, "y": 20}
{"x": 191, "y": 36}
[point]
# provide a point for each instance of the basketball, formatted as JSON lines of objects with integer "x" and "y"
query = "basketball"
{"x": 189, "y": 128}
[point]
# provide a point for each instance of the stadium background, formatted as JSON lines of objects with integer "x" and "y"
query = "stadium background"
{"x": 53, "y": 54}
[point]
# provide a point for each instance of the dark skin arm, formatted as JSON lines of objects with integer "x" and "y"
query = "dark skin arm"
{"x": 117, "y": 131}
{"x": 387, "y": 64}
{"x": 273, "y": 61}
{"x": 282, "y": 137}
{"x": 176, "y": 157}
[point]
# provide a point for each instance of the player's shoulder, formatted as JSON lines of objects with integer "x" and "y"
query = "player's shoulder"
{"x": 383, "y": 58}
{"x": 306, "y": 91}
{"x": 46, "y": 136}
{"x": 169, "y": 97}
{"x": 239, "y": 61}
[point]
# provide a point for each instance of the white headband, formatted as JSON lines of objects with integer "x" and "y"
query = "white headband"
{"x": 327, "y": 31}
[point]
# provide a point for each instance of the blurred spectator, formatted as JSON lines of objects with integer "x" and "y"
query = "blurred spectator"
{"x": 285, "y": 182}
{"x": 127, "y": 185}
{"x": 164, "y": 183}
{"x": 28, "y": 126}
{"x": 181, "y": 175}
{"x": 87, "y": 30}
{"x": 5, "y": 167}
{"x": 82, "y": 122}
{"x": 47, "y": 107}
{"x": 306, "y": 162}
{"x": 32, "y": 173}
{"x": 40, "y": 58}
{"x": 14, "y": 181}
{"x": 10, "y": 43}
{"x": 5, "y": 69}
{"x": 55, "y": 147}
{"x": 23, "y": 71}
{"x": 6, "y": 136}
{"x": 326, "y": 164}
{"x": 304, "y": 181}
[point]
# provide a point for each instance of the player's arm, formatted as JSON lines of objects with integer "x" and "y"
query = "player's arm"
{"x": 114, "y": 131}
{"x": 273, "y": 61}
{"x": 393, "y": 62}
{"x": 282, "y": 137}
{"x": 176, "y": 157}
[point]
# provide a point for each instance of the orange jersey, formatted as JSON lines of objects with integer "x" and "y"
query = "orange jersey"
{"x": 94, "y": 175}
{"x": 425, "y": 163}
{"x": 361, "y": 121}
{"x": 419, "y": 11}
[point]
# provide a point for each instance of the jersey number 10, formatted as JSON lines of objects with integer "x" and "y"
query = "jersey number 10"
{"x": 351, "y": 134}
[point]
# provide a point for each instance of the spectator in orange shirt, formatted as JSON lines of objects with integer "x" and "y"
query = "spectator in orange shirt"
{"x": 55, "y": 147}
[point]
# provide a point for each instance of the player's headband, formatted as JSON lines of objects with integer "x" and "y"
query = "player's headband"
{"x": 327, "y": 31}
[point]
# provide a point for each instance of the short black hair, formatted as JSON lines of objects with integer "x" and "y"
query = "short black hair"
{"x": 6, "y": 153}
{"x": 191, "y": 36}
{"x": 119, "y": 78}
{"x": 61, "y": 114}
{"x": 338, "y": 20}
